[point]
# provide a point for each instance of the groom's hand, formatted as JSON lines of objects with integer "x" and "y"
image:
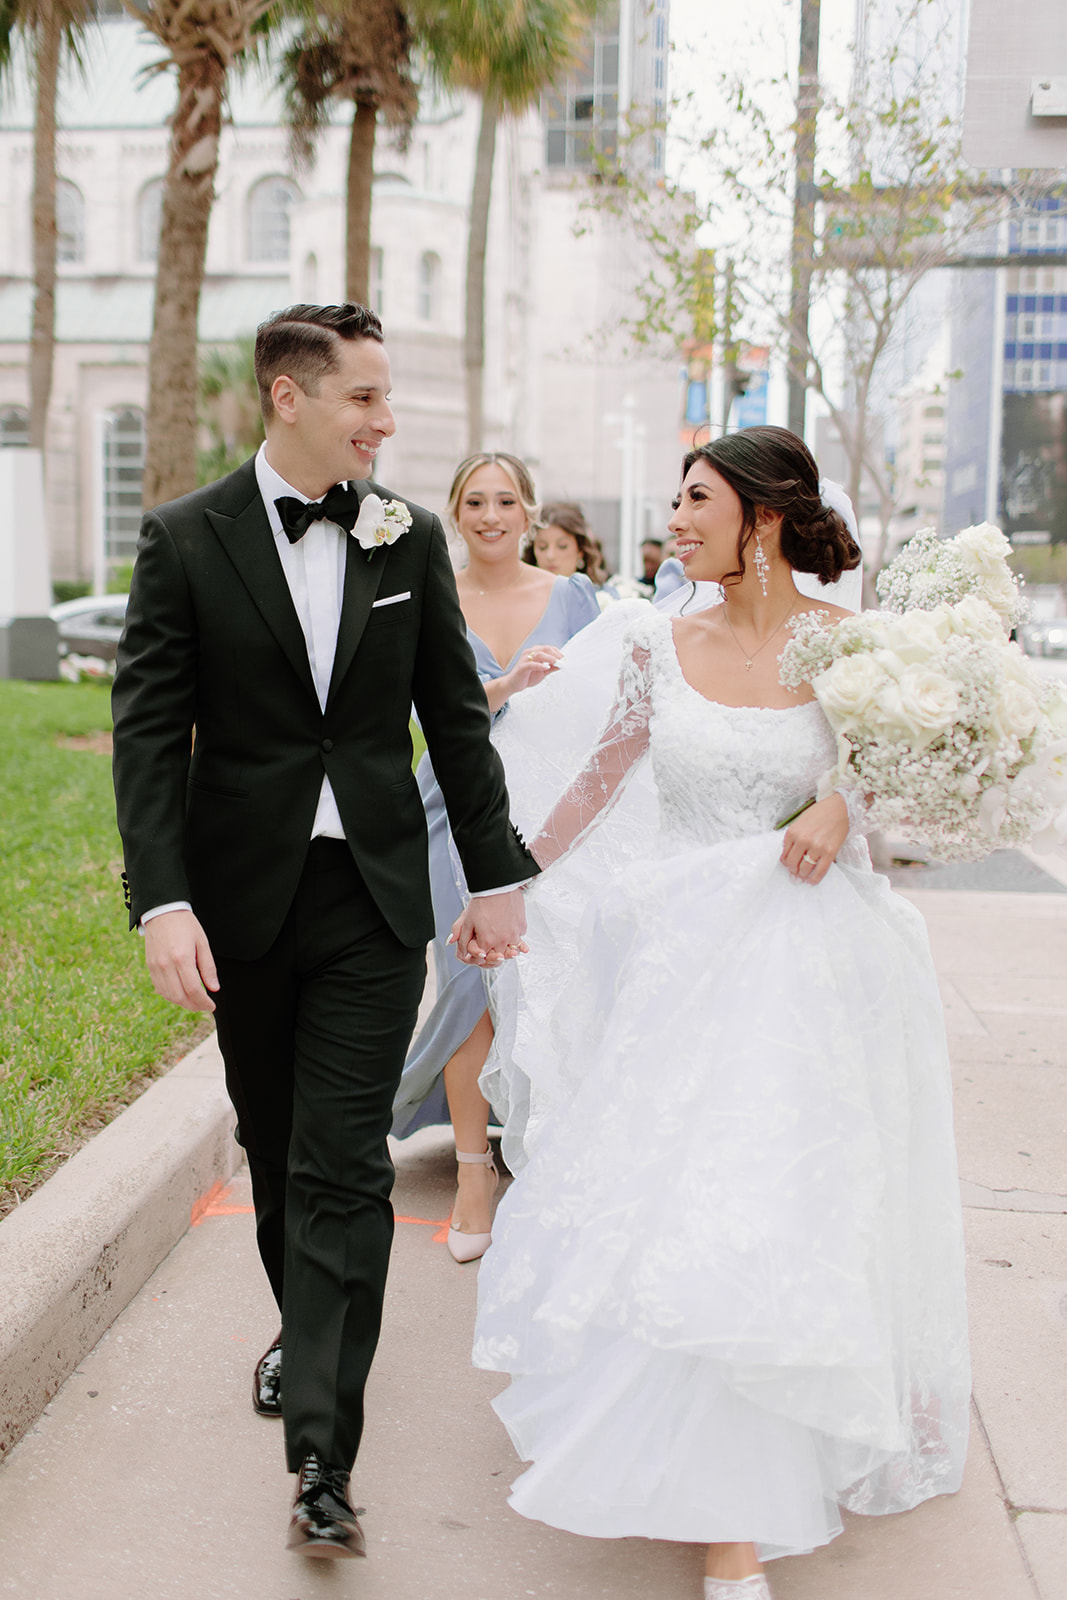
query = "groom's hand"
{"x": 491, "y": 929}
{"x": 180, "y": 961}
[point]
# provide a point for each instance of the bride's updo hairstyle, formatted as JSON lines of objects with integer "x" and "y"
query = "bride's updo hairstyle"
{"x": 774, "y": 468}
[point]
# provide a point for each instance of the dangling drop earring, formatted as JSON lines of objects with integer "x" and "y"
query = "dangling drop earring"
{"x": 763, "y": 566}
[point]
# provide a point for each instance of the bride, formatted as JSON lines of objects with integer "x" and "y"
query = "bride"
{"x": 728, "y": 1283}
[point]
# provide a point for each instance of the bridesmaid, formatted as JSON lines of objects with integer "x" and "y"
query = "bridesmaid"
{"x": 564, "y": 544}
{"x": 517, "y": 618}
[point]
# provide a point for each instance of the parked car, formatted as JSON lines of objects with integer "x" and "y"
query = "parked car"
{"x": 1044, "y": 635}
{"x": 91, "y": 626}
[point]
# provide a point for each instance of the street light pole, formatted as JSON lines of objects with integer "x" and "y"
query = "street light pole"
{"x": 626, "y": 422}
{"x": 804, "y": 194}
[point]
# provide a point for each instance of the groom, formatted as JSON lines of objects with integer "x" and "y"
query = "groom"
{"x": 275, "y": 842}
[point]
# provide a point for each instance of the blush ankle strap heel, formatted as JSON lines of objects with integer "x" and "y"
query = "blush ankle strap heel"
{"x": 464, "y": 1247}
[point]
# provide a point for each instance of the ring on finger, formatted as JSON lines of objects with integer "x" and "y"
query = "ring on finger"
{"x": 809, "y": 859}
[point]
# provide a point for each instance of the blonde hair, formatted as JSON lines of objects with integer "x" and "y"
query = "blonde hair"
{"x": 516, "y": 470}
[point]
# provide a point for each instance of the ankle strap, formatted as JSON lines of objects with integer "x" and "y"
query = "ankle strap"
{"x": 482, "y": 1161}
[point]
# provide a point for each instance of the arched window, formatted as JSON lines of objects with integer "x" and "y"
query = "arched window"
{"x": 122, "y": 477}
{"x": 149, "y": 217}
{"x": 70, "y": 222}
{"x": 377, "y": 279}
{"x": 429, "y": 286}
{"x": 269, "y": 204}
{"x": 14, "y": 427}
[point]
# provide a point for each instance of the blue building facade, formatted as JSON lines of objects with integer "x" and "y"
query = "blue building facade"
{"x": 1006, "y": 450}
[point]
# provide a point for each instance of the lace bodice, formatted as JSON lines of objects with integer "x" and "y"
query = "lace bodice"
{"x": 721, "y": 772}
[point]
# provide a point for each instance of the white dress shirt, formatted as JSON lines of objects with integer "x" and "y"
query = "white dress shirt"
{"x": 314, "y": 569}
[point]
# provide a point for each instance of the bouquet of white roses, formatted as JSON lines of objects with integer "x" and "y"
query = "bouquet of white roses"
{"x": 941, "y": 722}
{"x": 930, "y": 571}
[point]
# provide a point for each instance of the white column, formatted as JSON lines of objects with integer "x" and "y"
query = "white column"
{"x": 626, "y": 60}
{"x": 625, "y": 443}
{"x": 640, "y": 487}
{"x": 996, "y": 392}
{"x": 100, "y": 420}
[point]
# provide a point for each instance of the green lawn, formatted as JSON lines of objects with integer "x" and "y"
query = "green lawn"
{"x": 81, "y": 1029}
{"x": 80, "y": 1026}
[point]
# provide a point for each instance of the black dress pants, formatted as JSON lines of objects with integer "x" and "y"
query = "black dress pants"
{"x": 314, "y": 1036}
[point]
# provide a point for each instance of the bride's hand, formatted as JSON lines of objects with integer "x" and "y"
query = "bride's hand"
{"x": 811, "y": 843}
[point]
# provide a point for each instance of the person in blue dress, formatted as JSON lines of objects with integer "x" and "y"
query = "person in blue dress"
{"x": 565, "y": 544}
{"x": 517, "y": 616}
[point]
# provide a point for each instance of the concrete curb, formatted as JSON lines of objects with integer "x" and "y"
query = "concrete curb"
{"x": 75, "y": 1254}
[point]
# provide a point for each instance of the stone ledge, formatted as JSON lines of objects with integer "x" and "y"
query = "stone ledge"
{"x": 76, "y": 1252}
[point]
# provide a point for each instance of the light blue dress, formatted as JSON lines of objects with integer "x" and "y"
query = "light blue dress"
{"x": 461, "y": 996}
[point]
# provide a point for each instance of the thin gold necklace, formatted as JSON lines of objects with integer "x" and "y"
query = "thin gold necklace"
{"x": 750, "y": 658}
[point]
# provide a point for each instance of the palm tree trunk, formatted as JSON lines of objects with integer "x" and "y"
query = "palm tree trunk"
{"x": 474, "y": 327}
{"x": 170, "y": 461}
{"x": 358, "y": 200}
{"x": 48, "y": 37}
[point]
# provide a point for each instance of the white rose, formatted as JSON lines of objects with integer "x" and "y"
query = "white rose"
{"x": 1018, "y": 668}
{"x": 999, "y": 592}
{"x": 983, "y": 548}
{"x": 915, "y": 710}
{"x": 847, "y": 689}
{"x": 918, "y": 635}
{"x": 974, "y": 618}
{"x": 1015, "y": 711}
{"x": 889, "y": 662}
{"x": 886, "y": 713}
{"x": 931, "y": 702}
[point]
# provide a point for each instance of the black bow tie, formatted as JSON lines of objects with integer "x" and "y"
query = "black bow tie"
{"x": 340, "y": 505}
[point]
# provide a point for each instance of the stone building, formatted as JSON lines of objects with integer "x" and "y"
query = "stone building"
{"x": 560, "y": 278}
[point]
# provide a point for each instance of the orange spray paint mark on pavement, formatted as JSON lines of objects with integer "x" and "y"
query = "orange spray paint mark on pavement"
{"x": 442, "y": 1227}
{"x": 212, "y": 1205}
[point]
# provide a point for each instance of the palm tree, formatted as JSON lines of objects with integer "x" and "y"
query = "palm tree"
{"x": 508, "y": 52}
{"x": 229, "y": 407}
{"x": 358, "y": 50}
{"x": 48, "y": 27}
{"x": 202, "y": 38}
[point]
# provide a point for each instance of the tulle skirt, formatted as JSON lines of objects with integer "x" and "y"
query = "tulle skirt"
{"x": 728, "y": 1283}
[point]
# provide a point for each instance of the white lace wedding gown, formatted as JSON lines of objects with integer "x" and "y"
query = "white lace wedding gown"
{"x": 728, "y": 1284}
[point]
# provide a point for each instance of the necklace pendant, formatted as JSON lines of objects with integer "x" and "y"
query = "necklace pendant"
{"x": 748, "y": 665}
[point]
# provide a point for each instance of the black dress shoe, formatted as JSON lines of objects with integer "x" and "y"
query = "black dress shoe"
{"x": 267, "y": 1381}
{"x": 323, "y": 1522}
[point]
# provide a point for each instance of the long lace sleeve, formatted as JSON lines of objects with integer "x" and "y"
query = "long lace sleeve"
{"x": 620, "y": 747}
{"x": 855, "y": 802}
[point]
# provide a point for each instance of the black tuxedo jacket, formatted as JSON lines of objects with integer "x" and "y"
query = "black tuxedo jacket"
{"x": 221, "y": 746}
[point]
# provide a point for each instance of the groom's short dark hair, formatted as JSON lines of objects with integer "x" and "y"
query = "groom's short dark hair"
{"x": 301, "y": 342}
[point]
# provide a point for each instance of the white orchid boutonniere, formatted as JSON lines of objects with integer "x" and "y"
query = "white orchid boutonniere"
{"x": 380, "y": 522}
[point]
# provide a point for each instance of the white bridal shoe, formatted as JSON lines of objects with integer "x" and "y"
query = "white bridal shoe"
{"x": 754, "y": 1588}
{"x": 472, "y": 1246}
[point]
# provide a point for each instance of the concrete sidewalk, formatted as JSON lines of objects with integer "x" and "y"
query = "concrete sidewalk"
{"x": 149, "y": 1477}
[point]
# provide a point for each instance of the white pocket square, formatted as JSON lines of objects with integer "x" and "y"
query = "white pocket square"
{"x": 392, "y": 599}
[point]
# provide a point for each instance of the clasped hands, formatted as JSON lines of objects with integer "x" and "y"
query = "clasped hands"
{"x": 490, "y": 931}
